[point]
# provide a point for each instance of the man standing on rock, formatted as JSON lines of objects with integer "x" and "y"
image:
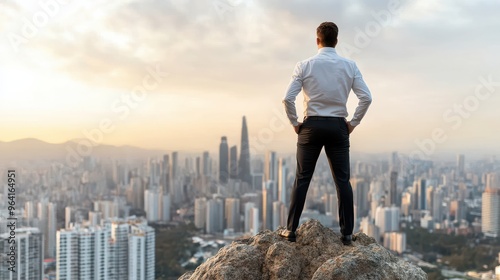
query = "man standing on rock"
{"x": 326, "y": 80}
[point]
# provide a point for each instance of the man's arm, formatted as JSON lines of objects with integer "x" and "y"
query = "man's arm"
{"x": 292, "y": 91}
{"x": 365, "y": 98}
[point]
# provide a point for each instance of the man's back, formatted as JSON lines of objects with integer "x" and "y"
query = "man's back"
{"x": 327, "y": 79}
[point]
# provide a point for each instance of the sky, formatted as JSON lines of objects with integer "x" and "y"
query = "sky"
{"x": 179, "y": 74}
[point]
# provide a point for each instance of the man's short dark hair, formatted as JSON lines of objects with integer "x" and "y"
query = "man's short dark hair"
{"x": 327, "y": 33}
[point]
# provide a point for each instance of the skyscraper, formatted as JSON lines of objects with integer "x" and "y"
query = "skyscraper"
{"x": 393, "y": 192}
{"x": 48, "y": 226}
{"x": 492, "y": 180}
{"x": 267, "y": 205}
{"x": 198, "y": 167}
{"x": 223, "y": 160}
{"x": 135, "y": 194}
{"x": 271, "y": 167}
{"x": 232, "y": 214}
{"x": 360, "y": 189}
{"x": 206, "y": 164}
{"x": 248, "y": 216}
{"x": 215, "y": 216}
{"x": 233, "y": 162}
{"x": 141, "y": 248}
{"x": 174, "y": 166}
{"x": 490, "y": 223}
{"x": 200, "y": 212}
{"x": 165, "y": 181}
{"x": 109, "y": 209}
{"x": 244, "y": 165}
{"x": 437, "y": 207}
{"x": 152, "y": 202}
{"x": 461, "y": 165}
{"x": 387, "y": 219}
{"x": 83, "y": 253}
{"x": 67, "y": 217}
{"x": 165, "y": 206}
{"x": 421, "y": 188}
{"x": 271, "y": 172}
{"x": 395, "y": 162}
{"x": 282, "y": 181}
{"x": 29, "y": 255}
{"x": 117, "y": 249}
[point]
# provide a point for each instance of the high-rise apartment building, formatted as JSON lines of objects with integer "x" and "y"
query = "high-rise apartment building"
{"x": 200, "y": 212}
{"x": 83, "y": 253}
{"x": 232, "y": 214}
{"x": 490, "y": 224}
{"x": 215, "y": 216}
{"x": 29, "y": 255}
{"x": 117, "y": 249}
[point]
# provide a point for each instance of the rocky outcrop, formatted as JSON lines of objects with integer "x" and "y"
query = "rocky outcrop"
{"x": 318, "y": 254}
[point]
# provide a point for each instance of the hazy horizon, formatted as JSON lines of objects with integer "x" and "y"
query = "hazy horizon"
{"x": 178, "y": 75}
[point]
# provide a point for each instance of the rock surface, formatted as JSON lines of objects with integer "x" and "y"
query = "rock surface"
{"x": 318, "y": 254}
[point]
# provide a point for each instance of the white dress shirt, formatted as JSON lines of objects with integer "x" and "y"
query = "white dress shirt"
{"x": 327, "y": 79}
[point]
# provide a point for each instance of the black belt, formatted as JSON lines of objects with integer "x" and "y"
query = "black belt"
{"x": 321, "y": 118}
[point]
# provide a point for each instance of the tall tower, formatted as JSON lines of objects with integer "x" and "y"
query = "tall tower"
{"x": 271, "y": 167}
{"x": 393, "y": 191}
{"x": 437, "y": 207}
{"x": 244, "y": 166}
{"x": 205, "y": 164}
{"x": 461, "y": 165}
{"x": 267, "y": 205}
{"x": 47, "y": 217}
{"x": 233, "y": 162}
{"x": 223, "y": 160}
{"x": 165, "y": 181}
{"x": 421, "y": 187}
{"x": 282, "y": 180}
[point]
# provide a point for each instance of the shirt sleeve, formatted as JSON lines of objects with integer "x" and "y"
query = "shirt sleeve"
{"x": 361, "y": 90}
{"x": 292, "y": 91}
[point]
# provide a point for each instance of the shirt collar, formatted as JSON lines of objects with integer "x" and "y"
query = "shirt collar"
{"x": 327, "y": 50}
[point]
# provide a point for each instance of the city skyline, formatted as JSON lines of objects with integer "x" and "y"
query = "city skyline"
{"x": 165, "y": 75}
{"x": 396, "y": 199}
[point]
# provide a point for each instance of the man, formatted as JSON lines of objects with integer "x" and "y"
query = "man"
{"x": 326, "y": 79}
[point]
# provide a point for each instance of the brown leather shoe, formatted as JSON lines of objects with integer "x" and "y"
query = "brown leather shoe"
{"x": 288, "y": 235}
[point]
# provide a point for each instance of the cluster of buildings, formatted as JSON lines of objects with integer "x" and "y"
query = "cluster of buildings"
{"x": 111, "y": 249}
{"x": 82, "y": 221}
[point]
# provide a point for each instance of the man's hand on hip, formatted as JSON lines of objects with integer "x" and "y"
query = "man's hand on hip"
{"x": 297, "y": 127}
{"x": 350, "y": 127}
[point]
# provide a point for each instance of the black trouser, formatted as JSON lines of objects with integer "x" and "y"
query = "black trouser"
{"x": 333, "y": 134}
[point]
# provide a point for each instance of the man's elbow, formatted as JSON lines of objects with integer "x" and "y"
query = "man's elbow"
{"x": 368, "y": 100}
{"x": 288, "y": 101}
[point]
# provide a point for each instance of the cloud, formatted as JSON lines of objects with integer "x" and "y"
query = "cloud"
{"x": 426, "y": 57}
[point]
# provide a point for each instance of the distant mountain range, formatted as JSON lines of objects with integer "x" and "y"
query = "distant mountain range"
{"x": 34, "y": 149}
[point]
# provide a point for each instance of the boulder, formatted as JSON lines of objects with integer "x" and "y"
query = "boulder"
{"x": 318, "y": 254}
